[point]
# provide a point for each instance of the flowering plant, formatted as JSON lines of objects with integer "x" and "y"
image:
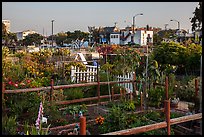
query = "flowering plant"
{"x": 99, "y": 120}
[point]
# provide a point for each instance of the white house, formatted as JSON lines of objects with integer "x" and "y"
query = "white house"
{"x": 23, "y": 34}
{"x": 141, "y": 36}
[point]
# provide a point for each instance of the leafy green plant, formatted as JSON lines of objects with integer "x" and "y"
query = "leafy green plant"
{"x": 73, "y": 93}
{"x": 9, "y": 125}
{"x": 75, "y": 109}
{"x": 128, "y": 105}
{"x": 186, "y": 90}
{"x": 156, "y": 96}
{"x": 24, "y": 107}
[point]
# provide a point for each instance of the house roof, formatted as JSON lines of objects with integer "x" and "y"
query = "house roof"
{"x": 110, "y": 29}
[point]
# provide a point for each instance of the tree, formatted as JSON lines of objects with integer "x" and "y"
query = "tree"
{"x": 4, "y": 33}
{"x": 32, "y": 39}
{"x": 197, "y": 19}
{"x": 186, "y": 58}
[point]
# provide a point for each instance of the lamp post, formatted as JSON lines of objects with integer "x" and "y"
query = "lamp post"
{"x": 178, "y": 23}
{"x": 52, "y": 32}
{"x": 133, "y": 25}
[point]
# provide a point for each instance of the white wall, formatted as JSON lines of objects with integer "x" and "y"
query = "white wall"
{"x": 141, "y": 37}
{"x": 114, "y": 38}
{"x": 23, "y": 34}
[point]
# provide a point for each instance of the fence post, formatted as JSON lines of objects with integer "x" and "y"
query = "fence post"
{"x": 120, "y": 93}
{"x": 3, "y": 90}
{"x": 112, "y": 93}
{"x": 130, "y": 95}
{"x": 82, "y": 125}
{"x": 98, "y": 87}
{"x": 167, "y": 112}
{"x": 51, "y": 90}
{"x": 141, "y": 102}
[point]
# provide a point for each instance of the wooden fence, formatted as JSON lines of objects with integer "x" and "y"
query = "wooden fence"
{"x": 136, "y": 130}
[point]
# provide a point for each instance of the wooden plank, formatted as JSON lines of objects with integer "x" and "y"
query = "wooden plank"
{"x": 27, "y": 90}
{"x": 155, "y": 126}
{"x": 186, "y": 118}
{"x": 64, "y": 86}
{"x": 82, "y": 100}
{"x": 139, "y": 129}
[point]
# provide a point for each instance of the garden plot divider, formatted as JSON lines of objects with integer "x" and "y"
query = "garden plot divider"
{"x": 146, "y": 128}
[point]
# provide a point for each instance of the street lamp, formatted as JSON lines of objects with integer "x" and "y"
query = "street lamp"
{"x": 133, "y": 25}
{"x": 178, "y": 23}
{"x": 52, "y": 32}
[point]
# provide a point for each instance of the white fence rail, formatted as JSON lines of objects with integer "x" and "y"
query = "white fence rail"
{"x": 90, "y": 75}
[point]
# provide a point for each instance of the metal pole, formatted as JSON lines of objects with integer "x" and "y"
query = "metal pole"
{"x": 133, "y": 29}
{"x": 133, "y": 26}
{"x": 146, "y": 84}
{"x": 52, "y": 32}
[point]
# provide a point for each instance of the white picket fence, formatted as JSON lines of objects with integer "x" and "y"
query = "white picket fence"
{"x": 89, "y": 75}
{"x": 126, "y": 77}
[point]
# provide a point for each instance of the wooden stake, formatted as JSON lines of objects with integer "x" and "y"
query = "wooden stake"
{"x": 51, "y": 90}
{"x": 167, "y": 111}
{"x": 166, "y": 88}
{"x": 112, "y": 93}
{"x": 82, "y": 125}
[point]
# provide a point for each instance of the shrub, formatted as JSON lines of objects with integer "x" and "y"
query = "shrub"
{"x": 73, "y": 93}
{"x": 9, "y": 125}
{"x": 156, "y": 96}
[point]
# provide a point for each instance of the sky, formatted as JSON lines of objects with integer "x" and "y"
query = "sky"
{"x": 71, "y": 16}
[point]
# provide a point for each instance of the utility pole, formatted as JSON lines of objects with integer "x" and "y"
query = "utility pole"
{"x": 52, "y": 32}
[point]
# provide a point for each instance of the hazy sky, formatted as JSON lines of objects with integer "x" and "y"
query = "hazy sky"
{"x": 70, "y": 16}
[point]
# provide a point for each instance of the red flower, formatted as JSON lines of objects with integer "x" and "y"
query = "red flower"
{"x": 10, "y": 83}
{"x": 16, "y": 85}
{"x": 28, "y": 81}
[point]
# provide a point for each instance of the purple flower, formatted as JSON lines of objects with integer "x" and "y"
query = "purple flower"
{"x": 40, "y": 115}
